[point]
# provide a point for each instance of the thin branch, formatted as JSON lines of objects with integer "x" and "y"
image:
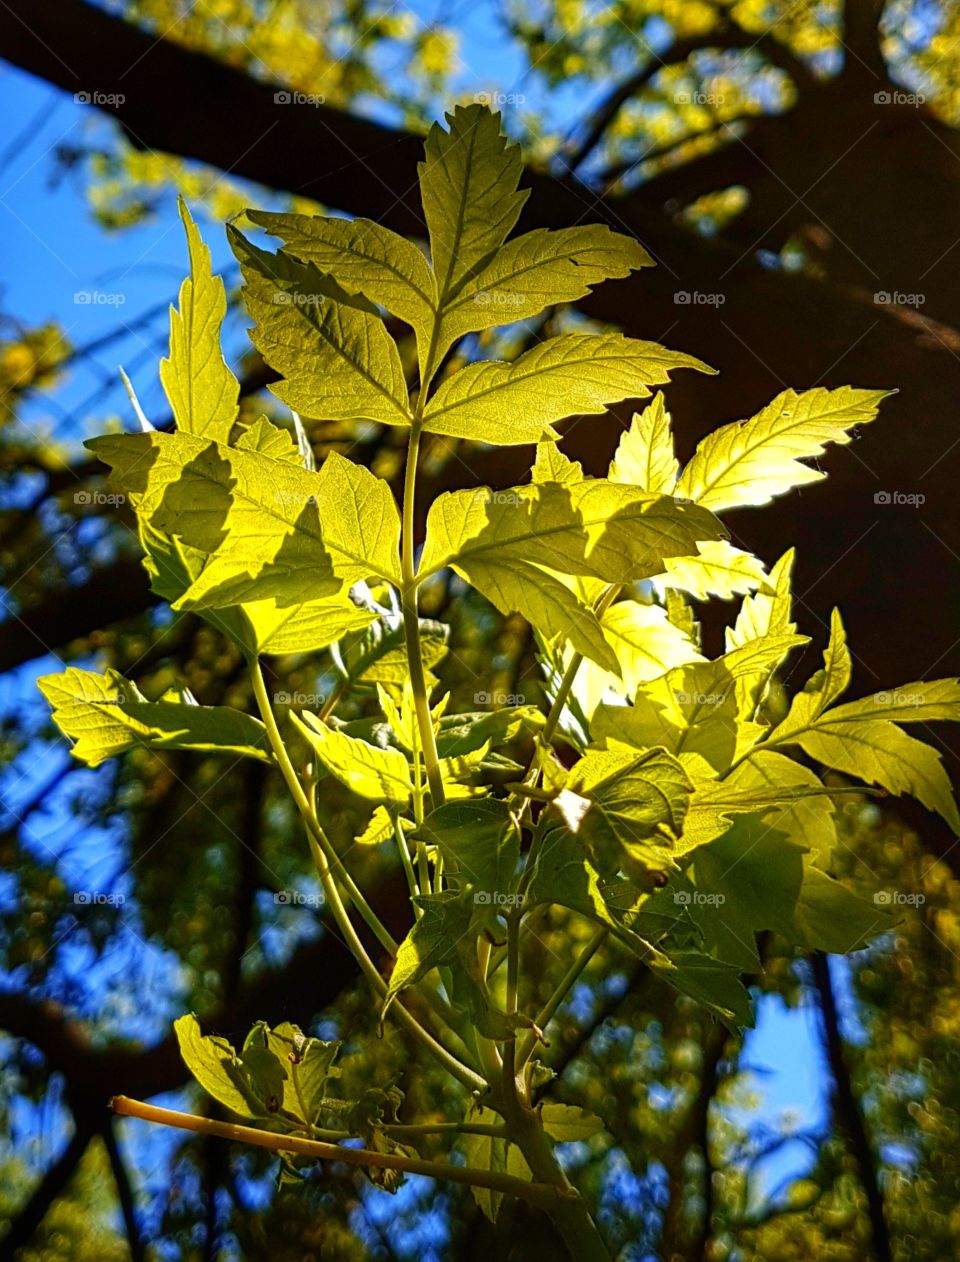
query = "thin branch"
{"x": 545, "y": 1195}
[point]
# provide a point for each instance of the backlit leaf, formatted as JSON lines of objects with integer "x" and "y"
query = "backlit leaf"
{"x": 569, "y": 375}
{"x": 202, "y": 391}
{"x": 383, "y": 775}
{"x": 335, "y": 357}
{"x": 106, "y": 715}
{"x": 750, "y": 462}
{"x": 645, "y": 456}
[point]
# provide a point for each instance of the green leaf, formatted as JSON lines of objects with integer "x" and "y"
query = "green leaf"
{"x": 362, "y": 256}
{"x": 380, "y": 828}
{"x": 755, "y": 872}
{"x": 271, "y": 440}
{"x": 480, "y": 842}
{"x": 750, "y": 462}
{"x": 335, "y": 357}
{"x": 626, "y": 808}
{"x": 551, "y": 465}
{"x": 573, "y": 374}
{"x": 360, "y": 521}
{"x": 201, "y": 389}
{"x": 379, "y": 655}
{"x": 566, "y": 1123}
{"x": 269, "y": 528}
{"x": 261, "y": 1075}
{"x": 830, "y": 917}
{"x": 645, "y": 456}
{"x": 261, "y": 626}
{"x": 431, "y": 942}
{"x": 563, "y": 875}
{"x": 591, "y": 528}
{"x": 925, "y": 701}
{"x": 106, "y": 715}
{"x": 485, "y": 1152}
{"x": 718, "y": 569}
{"x": 793, "y": 799}
{"x": 307, "y": 1065}
{"x": 703, "y": 709}
{"x": 468, "y": 183}
{"x": 514, "y": 586}
{"x": 822, "y": 688}
{"x": 877, "y": 751}
{"x": 303, "y": 628}
{"x": 537, "y": 270}
{"x": 646, "y": 643}
{"x": 460, "y": 734}
{"x": 714, "y": 985}
{"x": 766, "y": 612}
{"x": 212, "y": 1061}
{"x": 382, "y": 775}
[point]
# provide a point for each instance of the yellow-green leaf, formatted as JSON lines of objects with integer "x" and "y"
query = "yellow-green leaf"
{"x": 201, "y": 389}
{"x": 362, "y": 256}
{"x": 335, "y": 357}
{"x": 382, "y": 775}
{"x": 750, "y": 462}
{"x": 718, "y": 569}
{"x": 106, "y": 715}
{"x": 573, "y": 374}
{"x": 468, "y": 183}
{"x": 645, "y": 456}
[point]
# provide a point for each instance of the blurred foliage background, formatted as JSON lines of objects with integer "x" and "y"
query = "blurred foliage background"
{"x": 148, "y": 887}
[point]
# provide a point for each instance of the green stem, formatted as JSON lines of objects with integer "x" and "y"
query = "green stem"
{"x": 563, "y": 987}
{"x": 309, "y": 815}
{"x": 319, "y": 845}
{"x": 519, "y": 801}
{"x": 411, "y": 624}
{"x": 406, "y": 860}
{"x": 571, "y": 1217}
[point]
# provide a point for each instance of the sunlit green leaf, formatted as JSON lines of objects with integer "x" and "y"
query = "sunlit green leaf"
{"x": 201, "y": 389}
{"x": 106, "y": 715}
